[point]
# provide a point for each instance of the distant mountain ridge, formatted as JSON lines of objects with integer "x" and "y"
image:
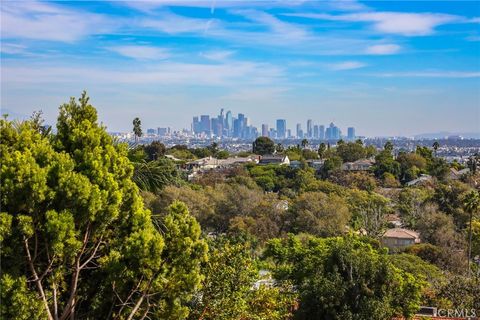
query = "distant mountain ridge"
{"x": 444, "y": 134}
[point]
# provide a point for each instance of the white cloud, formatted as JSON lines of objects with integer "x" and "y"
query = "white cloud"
{"x": 217, "y": 55}
{"x": 347, "y": 65}
{"x": 383, "y": 49}
{"x": 407, "y": 24}
{"x": 141, "y": 52}
{"x": 174, "y": 24}
{"x": 431, "y": 74}
{"x": 171, "y": 73}
{"x": 11, "y": 48}
{"x": 42, "y": 21}
{"x": 276, "y": 26}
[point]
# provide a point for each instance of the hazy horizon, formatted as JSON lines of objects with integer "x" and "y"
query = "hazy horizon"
{"x": 386, "y": 68}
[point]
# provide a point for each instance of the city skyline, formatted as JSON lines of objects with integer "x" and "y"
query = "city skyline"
{"x": 390, "y": 68}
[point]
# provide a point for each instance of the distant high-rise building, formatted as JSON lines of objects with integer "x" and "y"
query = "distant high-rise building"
{"x": 236, "y": 128}
{"x": 315, "y": 131}
{"x": 272, "y": 133}
{"x": 289, "y": 133}
{"x": 309, "y": 128}
{"x": 299, "y": 131}
{"x": 196, "y": 126}
{"x": 229, "y": 123}
{"x": 264, "y": 130}
{"x": 242, "y": 124}
{"x": 150, "y": 131}
{"x": 163, "y": 131}
{"x": 321, "y": 132}
{"x": 281, "y": 128}
{"x": 351, "y": 133}
{"x": 205, "y": 124}
{"x": 332, "y": 132}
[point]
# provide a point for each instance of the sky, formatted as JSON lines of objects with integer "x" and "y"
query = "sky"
{"x": 385, "y": 67}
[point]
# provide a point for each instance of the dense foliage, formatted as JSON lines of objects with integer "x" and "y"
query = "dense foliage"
{"x": 91, "y": 229}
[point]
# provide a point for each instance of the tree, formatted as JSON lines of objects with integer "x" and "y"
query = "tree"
{"x": 438, "y": 168}
{"x": 471, "y": 204}
{"x": 330, "y": 165}
{"x": 369, "y": 211}
{"x": 435, "y": 146}
{"x": 137, "y": 128}
{"x": 263, "y": 146}
{"x": 154, "y": 175}
{"x": 227, "y": 292}
{"x": 411, "y": 165}
{"x": 384, "y": 163}
{"x": 304, "y": 143}
{"x": 388, "y": 146}
{"x": 473, "y": 163}
{"x": 343, "y": 278}
{"x": 321, "y": 150}
{"x": 319, "y": 214}
{"x": 154, "y": 150}
{"x": 411, "y": 205}
{"x": 279, "y": 148}
{"x": 75, "y": 235}
{"x": 350, "y": 151}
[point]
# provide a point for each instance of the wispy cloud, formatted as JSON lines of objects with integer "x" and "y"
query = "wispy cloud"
{"x": 347, "y": 65}
{"x": 217, "y": 55}
{"x": 171, "y": 73}
{"x": 12, "y": 48}
{"x": 174, "y": 24}
{"x": 430, "y": 74}
{"x": 407, "y": 24}
{"x": 42, "y": 21}
{"x": 274, "y": 24}
{"x": 141, "y": 52}
{"x": 383, "y": 49}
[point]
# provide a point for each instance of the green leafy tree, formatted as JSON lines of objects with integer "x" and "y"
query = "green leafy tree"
{"x": 385, "y": 163}
{"x": 435, "y": 146}
{"x": 137, "y": 128}
{"x": 344, "y": 278}
{"x": 388, "y": 146}
{"x": 350, "y": 151}
{"x": 263, "y": 145}
{"x": 472, "y": 205}
{"x": 411, "y": 205}
{"x": 319, "y": 214}
{"x": 369, "y": 211}
{"x": 227, "y": 291}
{"x": 304, "y": 143}
{"x": 330, "y": 165}
{"x": 321, "y": 150}
{"x": 438, "y": 168}
{"x": 411, "y": 165}
{"x": 74, "y": 225}
{"x": 154, "y": 150}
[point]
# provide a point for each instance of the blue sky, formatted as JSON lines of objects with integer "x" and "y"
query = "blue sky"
{"x": 385, "y": 67}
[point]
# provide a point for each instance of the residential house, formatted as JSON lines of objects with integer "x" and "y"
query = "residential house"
{"x": 420, "y": 180}
{"x": 399, "y": 238}
{"x": 457, "y": 174}
{"x": 359, "y": 165}
{"x": 274, "y": 159}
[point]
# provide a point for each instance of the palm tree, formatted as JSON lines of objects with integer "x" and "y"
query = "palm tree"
{"x": 321, "y": 150}
{"x": 471, "y": 205}
{"x": 137, "y": 128}
{"x": 388, "y": 146}
{"x": 304, "y": 143}
{"x": 435, "y": 147}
